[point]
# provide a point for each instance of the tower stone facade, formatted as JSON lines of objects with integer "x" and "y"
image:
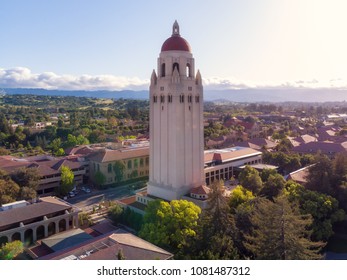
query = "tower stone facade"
{"x": 176, "y": 122}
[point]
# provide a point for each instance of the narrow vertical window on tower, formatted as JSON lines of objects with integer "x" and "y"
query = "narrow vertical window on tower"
{"x": 162, "y": 70}
{"x": 188, "y": 70}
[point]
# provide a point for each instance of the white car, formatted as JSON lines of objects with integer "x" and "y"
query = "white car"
{"x": 71, "y": 194}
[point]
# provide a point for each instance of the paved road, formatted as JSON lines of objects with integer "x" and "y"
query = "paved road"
{"x": 86, "y": 201}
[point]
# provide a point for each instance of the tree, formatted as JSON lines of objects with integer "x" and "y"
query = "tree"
{"x": 100, "y": 178}
{"x": 320, "y": 175}
{"x": 323, "y": 208}
{"x": 249, "y": 178}
{"x": 81, "y": 140}
{"x": 216, "y": 228}
{"x": 238, "y": 196}
{"x": 273, "y": 186}
{"x": 11, "y": 250}
{"x": 280, "y": 232}
{"x": 115, "y": 213}
{"x": 120, "y": 255}
{"x": 67, "y": 180}
{"x": 119, "y": 168}
{"x": 340, "y": 169}
{"x": 55, "y": 145}
{"x": 9, "y": 191}
{"x": 27, "y": 177}
{"x": 169, "y": 225}
{"x": 27, "y": 193}
{"x": 60, "y": 152}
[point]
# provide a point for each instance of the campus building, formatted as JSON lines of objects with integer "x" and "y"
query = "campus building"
{"x": 119, "y": 165}
{"x": 29, "y": 222}
{"x": 176, "y": 121}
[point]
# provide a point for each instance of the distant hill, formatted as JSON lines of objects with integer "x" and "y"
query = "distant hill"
{"x": 236, "y": 95}
{"x": 126, "y": 94}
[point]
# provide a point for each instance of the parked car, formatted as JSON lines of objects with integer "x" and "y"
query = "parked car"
{"x": 87, "y": 190}
{"x": 71, "y": 194}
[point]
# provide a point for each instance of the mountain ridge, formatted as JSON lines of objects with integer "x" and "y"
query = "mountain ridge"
{"x": 236, "y": 95}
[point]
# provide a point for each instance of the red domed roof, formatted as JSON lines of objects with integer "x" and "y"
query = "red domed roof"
{"x": 175, "y": 42}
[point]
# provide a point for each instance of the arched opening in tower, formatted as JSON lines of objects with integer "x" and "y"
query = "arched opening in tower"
{"x": 176, "y": 65}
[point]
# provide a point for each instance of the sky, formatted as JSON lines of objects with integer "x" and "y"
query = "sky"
{"x": 114, "y": 45}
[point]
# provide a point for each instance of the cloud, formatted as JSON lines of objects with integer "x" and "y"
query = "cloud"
{"x": 233, "y": 83}
{"x": 22, "y": 77}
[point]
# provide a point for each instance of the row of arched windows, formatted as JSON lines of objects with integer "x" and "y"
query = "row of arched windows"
{"x": 177, "y": 66}
{"x": 162, "y": 98}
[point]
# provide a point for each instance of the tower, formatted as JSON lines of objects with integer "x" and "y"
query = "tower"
{"x": 176, "y": 121}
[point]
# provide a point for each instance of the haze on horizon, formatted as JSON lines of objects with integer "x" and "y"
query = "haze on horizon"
{"x": 114, "y": 45}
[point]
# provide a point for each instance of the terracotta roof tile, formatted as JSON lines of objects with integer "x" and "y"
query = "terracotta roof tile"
{"x": 107, "y": 155}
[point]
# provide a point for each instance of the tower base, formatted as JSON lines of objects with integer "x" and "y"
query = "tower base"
{"x": 167, "y": 193}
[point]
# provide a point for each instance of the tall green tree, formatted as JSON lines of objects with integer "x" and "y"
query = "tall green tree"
{"x": 273, "y": 186}
{"x": 320, "y": 175}
{"x": 169, "y": 225}
{"x": 250, "y": 179}
{"x": 100, "y": 178}
{"x": 119, "y": 168}
{"x": 323, "y": 208}
{"x": 67, "y": 180}
{"x": 215, "y": 238}
{"x": 280, "y": 232}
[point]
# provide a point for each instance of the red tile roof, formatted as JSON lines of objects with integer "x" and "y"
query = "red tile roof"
{"x": 46, "y": 206}
{"x": 200, "y": 190}
{"x": 107, "y": 155}
{"x": 324, "y": 147}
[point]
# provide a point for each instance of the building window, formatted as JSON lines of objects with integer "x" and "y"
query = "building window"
{"x": 136, "y": 163}
{"x": 162, "y": 70}
{"x": 147, "y": 161}
{"x": 176, "y": 65}
{"x": 155, "y": 99}
{"x": 170, "y": 98}
{"x": 190, "y": 88}
{"x": 129, "y": 164}
{"x": 188, "y": 70}
{"x": 141, "y": 162}
{"x": 161, "y": 88}
{"x": 189, "y": 99}
{"x": 162, "y": 98}
{"x": 109, "y": 168}
{"x": 98, "y": 167}
{"x": 197, "y": 99}
{"x": 181, "y": 98}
